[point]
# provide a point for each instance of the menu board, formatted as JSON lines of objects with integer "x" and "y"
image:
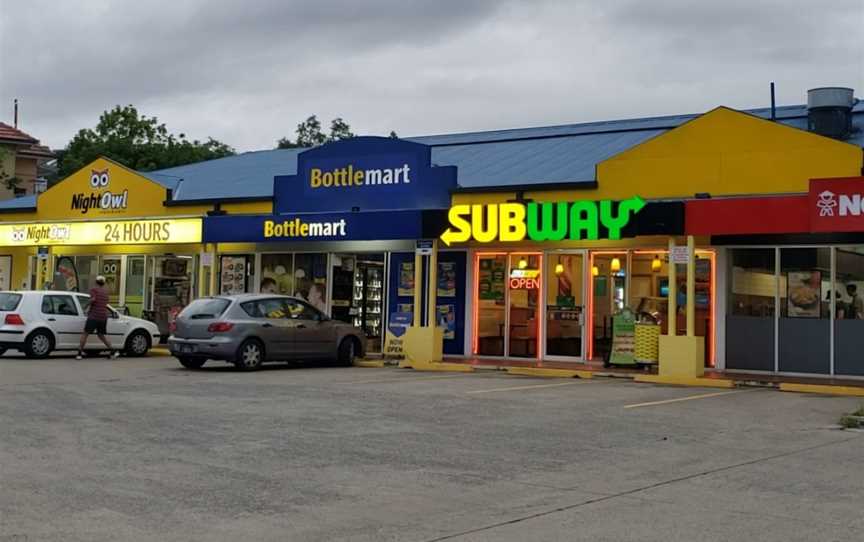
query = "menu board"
{"x": 233, "y": 279}
{"x": 623, "y": 338}
{"x": 491, "y": 280}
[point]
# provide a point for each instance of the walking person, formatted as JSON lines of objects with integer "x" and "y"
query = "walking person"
{"x": 97, "y": 319}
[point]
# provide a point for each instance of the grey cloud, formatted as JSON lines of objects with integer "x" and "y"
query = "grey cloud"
{"x": 247, "y": 72}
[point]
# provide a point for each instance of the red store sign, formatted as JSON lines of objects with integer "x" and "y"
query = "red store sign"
{"x": 836, "y": 205}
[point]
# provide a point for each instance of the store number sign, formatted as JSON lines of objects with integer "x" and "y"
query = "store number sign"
{"x": 122, "y": 232}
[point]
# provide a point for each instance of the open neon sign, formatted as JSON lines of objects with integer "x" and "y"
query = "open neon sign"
{"x": 525, "y": 279}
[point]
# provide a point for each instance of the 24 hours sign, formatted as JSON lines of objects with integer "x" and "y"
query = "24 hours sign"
{"x": 121, "y": 232}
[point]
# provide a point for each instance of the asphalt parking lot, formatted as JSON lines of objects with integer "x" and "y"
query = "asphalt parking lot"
{"x": 140, "y": 449}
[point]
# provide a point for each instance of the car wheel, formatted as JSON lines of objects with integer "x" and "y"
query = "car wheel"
{"x": 347, "y": 352}
{"x": 191, "y": 363}
{"x": 39, "y": 344}
{"x": 137, "y": 344}
{"x": 250, "y": 355}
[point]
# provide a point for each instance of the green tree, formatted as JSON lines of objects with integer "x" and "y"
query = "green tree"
{"x": 309, "y": 133}
{"x": 136, "y": 141}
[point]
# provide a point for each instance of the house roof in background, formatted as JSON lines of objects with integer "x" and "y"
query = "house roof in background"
{"x": 14, "y": 135}
{"x": 541, "y": 155}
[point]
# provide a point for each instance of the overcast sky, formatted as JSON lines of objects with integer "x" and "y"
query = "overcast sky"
{"x": 246, "y": 72}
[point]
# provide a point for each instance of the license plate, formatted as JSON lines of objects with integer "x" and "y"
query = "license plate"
{"x": 186, "y": 348}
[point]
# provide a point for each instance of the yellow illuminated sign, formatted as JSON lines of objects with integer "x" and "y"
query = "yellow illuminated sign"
{"x": 121, "y": 232}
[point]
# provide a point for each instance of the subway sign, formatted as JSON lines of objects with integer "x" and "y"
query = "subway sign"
{"x": 540, "y": 222}
{"x": 121, "y": 232}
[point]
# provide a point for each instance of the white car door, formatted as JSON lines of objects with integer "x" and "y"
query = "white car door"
{"x": 64, "y": 318}
{"x": 116, "y": 327}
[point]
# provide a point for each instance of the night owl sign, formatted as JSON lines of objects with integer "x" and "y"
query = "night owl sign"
{"x": 99, "y": 197}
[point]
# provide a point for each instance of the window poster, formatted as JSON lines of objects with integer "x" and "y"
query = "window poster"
{"x": 277, "y": 274}
{"x": 447, "y": 320}
{"x": 406, "y": 279}
{"x": 804, "y": 294}
{"x": 234, "y": 272}
{"x": 6, "y": 272}
{"x": 446, "y": 279}
{"x": 310, "y": 279}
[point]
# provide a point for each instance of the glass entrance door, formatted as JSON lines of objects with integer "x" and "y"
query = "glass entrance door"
{"x": 565, "y": 304}
{"x": 524, "y": 305}
{"x": 609, "y": 295}
{"x": 134, "y": 287}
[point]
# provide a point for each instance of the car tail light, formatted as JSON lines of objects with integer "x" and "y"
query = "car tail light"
{"x": 14, "y": 320}
{"x": 220, "y": 327}
{"x": 172, "y": 327}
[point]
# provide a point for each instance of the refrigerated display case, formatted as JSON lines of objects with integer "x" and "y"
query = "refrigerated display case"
{"x": 367, "y": 302}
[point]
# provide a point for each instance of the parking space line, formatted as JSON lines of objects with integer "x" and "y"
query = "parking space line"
{"x": 535, "y": 386}
{"x": 689, "y": 398}
{"x": 405, "y": 378}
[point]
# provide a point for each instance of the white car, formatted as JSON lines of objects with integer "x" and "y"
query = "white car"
{"x": 40, "y": 322}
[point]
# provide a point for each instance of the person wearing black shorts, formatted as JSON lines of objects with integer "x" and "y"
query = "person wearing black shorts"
{"x": 97, "y": 319}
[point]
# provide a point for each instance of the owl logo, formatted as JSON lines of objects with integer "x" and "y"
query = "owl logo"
{"x": 18, "y": 234}
{"x": 99, "y": 179}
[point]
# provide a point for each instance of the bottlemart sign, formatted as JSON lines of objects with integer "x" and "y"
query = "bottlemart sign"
{"x": 540, "y": 222}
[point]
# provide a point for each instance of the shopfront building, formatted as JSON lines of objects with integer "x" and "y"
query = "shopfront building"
{"x": 795, "y": 264}
{"x": 549, "y": 289}
{"x": 106, "y": 220}
{"x": 342, "y": 236}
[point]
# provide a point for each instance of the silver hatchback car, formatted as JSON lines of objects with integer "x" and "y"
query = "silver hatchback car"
{"x": 250, "y": 329}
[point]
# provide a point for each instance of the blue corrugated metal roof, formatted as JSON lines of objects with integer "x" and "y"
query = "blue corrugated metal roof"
{"x": 500, "y": 158}
{"x": 247, "y": 175}
{"x": 23, "y": 203}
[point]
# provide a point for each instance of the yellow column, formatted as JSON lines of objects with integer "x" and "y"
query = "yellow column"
{"x": 418, "y": 289}
{"x": 432, "y": 296}
{"x": 691, "y": 287}
{"x": 672, "y": 298}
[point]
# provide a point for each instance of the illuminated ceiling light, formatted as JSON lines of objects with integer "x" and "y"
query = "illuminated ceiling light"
{"x": 559, "y": 268}
{"x": 615, "y": 265}
{"x": 656, "y": 264}
{"x": 595, "y": 270}
{"x": 523, "y": 263}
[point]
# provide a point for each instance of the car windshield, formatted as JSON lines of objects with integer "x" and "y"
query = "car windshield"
{"x": 205, "y": 308}
{"x": 9, "y": 301}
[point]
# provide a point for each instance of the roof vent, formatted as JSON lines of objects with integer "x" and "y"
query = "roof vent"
{"x": 829, "y": 111}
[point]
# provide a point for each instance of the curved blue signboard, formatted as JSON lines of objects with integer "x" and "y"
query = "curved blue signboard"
{"x": 364, "y": 174}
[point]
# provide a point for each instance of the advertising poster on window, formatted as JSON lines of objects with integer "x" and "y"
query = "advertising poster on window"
{"x": 310, "y": 279}
{"x": 233, "y": 278}
{"x": 447, "y": 320}
{"x": 446, "y": 279}
{"x": 804, "y": 294}
{"x": 406, "y": 279}
{"x": 396, "y": 327}
{"x": 5, "y": 271}
{"x": 277, "y": 274}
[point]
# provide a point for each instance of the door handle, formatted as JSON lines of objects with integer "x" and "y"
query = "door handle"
{"x": 301, "y": 326}
{"x": 266, "y": 325}
{"x": 52, "y": 319}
